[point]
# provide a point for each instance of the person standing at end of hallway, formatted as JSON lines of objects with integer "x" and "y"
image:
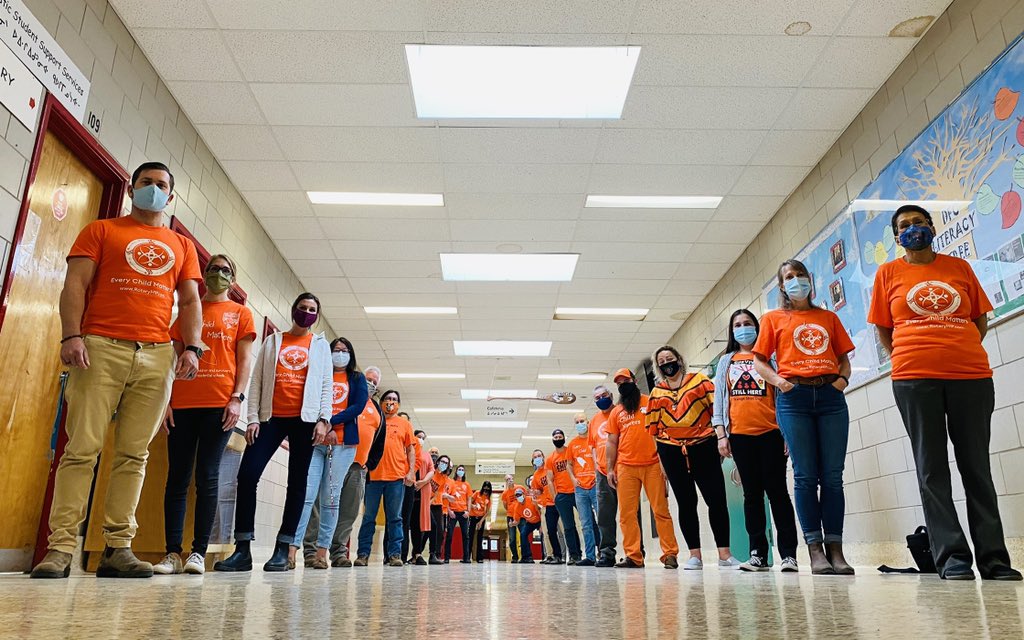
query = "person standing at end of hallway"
{"x": 421, "y": 524}
{"x": 458, "y": 492}
{"x": 115, "y": 312}
{"x": 525, "y": 516}
{"x": 811, "y": 349}
{"x": 397, "y": 470}
{"x": 931, "y": 315}
{"x": 507, "y": 496}
{"x": 744, "y": 422}
{"x": 583, "y": 474}
{"x": 537, "y": 486}
{"x": 562, "y": 489}
{"x": 632, "y": 462}
{"x": 203, "y": 413}
{"x": 438, "y": 488}
{"x": 479, "y": 506}
{"x": 289, "y": 397}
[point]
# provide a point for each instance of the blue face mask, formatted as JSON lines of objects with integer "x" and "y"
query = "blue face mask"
{"x": 916, "y": 238}
{"x": 460, "y": 472}
{"x": 745, "y": 335}
{"x": 442, "y": 467}
{"x": 538, "y": 463}
{"x": 604, "y": 403}
{"x": 150, "y": 198}
{"x": 798, "y": 288}
{"x": 581, "y": 428}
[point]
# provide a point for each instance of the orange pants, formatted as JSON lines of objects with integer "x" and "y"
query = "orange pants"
{"x": 631, "y": 479}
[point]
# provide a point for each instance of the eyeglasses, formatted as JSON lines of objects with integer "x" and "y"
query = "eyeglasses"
{"x": 226, "y": 270}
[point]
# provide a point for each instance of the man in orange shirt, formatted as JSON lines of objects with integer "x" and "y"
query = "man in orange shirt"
{"x": 525, "y": 516}
{"x": 584, "y": 477}
{"x": 115, "y": 312}
{"x": 633, "y": 465}
{"x": 562, "y": 488}
{"x": 507, "y": 496}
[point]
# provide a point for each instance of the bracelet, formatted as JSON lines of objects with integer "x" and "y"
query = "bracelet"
{"x": 77, "y": 335}
{"x": 724, "y": 438}
{"x": 845, "y": 378}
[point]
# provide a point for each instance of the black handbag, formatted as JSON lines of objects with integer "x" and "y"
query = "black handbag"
{"x": 377, "y": 447}
{"x": 921, "y": 549}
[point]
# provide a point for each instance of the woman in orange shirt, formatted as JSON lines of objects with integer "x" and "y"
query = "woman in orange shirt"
{"x": 290, "y": 397}
{"x": 420, "y": 520}
{"x": 744, "y": 421}
{"x": 538, "y": 485}
{"x": 202, "y": 414}
{"x": 931, "y": 315}
{"x": 479, "y": 505}
{"x": 438, "y": 521}
{"x": 811, "y": 349}
{"x": 458, "y": 492}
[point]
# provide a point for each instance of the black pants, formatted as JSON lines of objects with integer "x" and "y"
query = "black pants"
{"x": 607, "y": 508}
{"x": 513, "y": 539}
{"x": 437, "y": 528}
{"x": 410, "y": 520}
{"x": 761, "y": 461}
{"x": 700, "y": 468}
{"x": 551, "y": 519}
{"x": 962, "y": 410}
{"x": 197, "y": 441}
{"x": 255, "y": 460}
{"x": 476, "y": 537}
{"x": 459, "y": 519}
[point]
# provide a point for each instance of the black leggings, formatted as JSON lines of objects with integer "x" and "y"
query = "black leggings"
{"x": 255, "y": 460}
{"x": 437, "y": 526}
{"x": 410, "y": 520}
{"x": 761, "y": 461}
{"x": 703, "y": 472}
{"x": 196, "y": 440}
{"x": 459, "y": 519}
{"x": 476, "y": 537}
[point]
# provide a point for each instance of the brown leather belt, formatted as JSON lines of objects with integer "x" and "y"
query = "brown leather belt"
{"x": 817, "y": 381}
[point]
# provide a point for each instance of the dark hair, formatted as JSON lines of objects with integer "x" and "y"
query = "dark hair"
{"x": 305, "y": 295}
{"x": 398, "y": 396}
{"x": 909, "y": 208}
{"x": 152, "y": 166}
{"x": 418, "y": 432}
{"x": 463, "y": 467}
{"x": 403, "y": 414}
{"x": 799, "y": 267}
{"x": 351, "y": 352}
{"x": 487, "y": 485}
{"x": 630, "y": 403}
{"x": 733, "y": 345}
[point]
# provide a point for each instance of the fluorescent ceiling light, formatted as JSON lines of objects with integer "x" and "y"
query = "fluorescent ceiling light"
{"x": 536, "y": 437}
{"x": 502, "y": 348}
{"x": 542, "y": 410}
{"x": 892, "y": 205}
{"x": 508, "y": 267}
{"x": 496, "y": 424}
{"x": 387, "y": 199}
{"x": 653, "y": 202}
{"x": 419, "y": 311}
{"x": 495, "y": 453}
{"x": 572, "y": 376}
{"x": 442, "y": 437}
{"x": 451, "y": 81}
{"x": 495, "y": 445}
{"x": 482, "y": 394}
{"x": 587, "y": 313}
{"x": 432, "y": 376}
{"x": 441, "y": 410}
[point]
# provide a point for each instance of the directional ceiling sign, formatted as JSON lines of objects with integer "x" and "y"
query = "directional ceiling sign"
{"x": 502, "y": 409}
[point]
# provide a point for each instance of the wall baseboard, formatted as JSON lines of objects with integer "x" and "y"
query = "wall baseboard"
{"x": 19, "y": 560}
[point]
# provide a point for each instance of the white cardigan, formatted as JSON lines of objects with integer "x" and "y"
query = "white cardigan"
{"x": 319, "y": 390}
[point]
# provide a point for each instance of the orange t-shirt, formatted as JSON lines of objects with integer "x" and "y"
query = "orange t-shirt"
{"x": 225, "y": 324}
{"x": 528, "y": 510}
{"x": 461, "y": 490}
{"x": 339, "y": 401}
{"x": 582, "y": 461}
{"x": 479, "y": 504}
{"x": 931, "y": 309}
{"x": 558, "y": 464}
{"x": 598, "y": 439}
{"x": 539, "y": 483}
{"x": 290, "y": 375}
{"x": 508, "y": 496}
{"x": 394, "y": 464}
{"x": 636, "y": 446}
{"x": 138, "y": 268}
{"x": 439, "y": 485}
{"x": 368, "y": 421}
{"x": 804, "y": 343}
{"x": 751, "y": 399}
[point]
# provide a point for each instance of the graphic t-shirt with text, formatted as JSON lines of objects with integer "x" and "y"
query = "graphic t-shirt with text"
{"x": 805, "y": 343}
{"x": 225, "y": 324}
{"x": 751, "y": 399}
{"x": 290, "y": 375}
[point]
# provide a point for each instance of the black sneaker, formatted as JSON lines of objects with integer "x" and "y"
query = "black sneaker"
{"x": 525, "y": 561}
{"x": 605, "y": 561}
{"x": 585, "y": 562}
{"x": 573, "y": 562}
{"x": 958, "y": 571}
{"x": 1002, "y": 572}
{"x": 435, "y": 560}
{"x": 627, "y": 563}
{"x": 756, "y": 563}
{"x": 420, "y": 562}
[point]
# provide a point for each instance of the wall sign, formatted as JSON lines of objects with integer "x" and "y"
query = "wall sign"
{"x": 495, "y": 468}
{"x": 36, "y": 48}
{"x": 59, "y": 203}
{"x": 20, "y": 92}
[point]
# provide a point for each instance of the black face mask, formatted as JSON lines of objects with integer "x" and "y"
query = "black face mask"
{"x": 669, "y": 369}
{"x": 558, "y": 443}
{"x": 628, "y": 389}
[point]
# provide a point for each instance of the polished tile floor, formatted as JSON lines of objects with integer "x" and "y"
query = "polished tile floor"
{"x": 510, "y": 601}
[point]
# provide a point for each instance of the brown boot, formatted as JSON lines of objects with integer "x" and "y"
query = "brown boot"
{"x": 56, "y": 564}
{"x": 834, "y": 553}
{"x": 122, "y": 563}
{"x": 819, "y": 562}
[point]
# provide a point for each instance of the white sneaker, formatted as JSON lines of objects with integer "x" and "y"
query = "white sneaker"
{"x": 754, "y": 564}
{"x": 789, "y": 565}
{"x": 195, "y": 565}
{"x": 170, "y": 565}
{"x": 693, "y": 564}
{"x": 731, "y": 563}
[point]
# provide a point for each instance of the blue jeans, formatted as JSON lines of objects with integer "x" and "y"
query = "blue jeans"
{"x": 326, "y": 478}
{"x": 393, "y": 493}
{"x": 586, "y": 504}
{"x": 816, "y": 424}
{"x": 526, "y": 530}
{"x": 565, "y": 502}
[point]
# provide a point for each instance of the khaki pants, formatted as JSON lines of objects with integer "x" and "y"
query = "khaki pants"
{"x": 133, "y": 379}
{"x": 631, "y": 481}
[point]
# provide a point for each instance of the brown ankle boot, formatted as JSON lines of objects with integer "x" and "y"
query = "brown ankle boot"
{"x": 834, "y": 553}
{"x": 56, "y": 564}
{"x": 819, "y": 562}
{"x": 122, "y": 563}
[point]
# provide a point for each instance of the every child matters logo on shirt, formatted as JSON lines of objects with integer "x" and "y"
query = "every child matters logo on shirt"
{"x": 933, "y": 298}
{"x": 230, "y": 319}
{"x": 811, "y": 339}
{"x": 294, "y": 358}
{"x": 149, "y": 257}
{"x": 340, "y": 392}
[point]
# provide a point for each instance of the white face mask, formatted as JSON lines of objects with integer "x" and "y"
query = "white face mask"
{"x": 422, "y": 440}
{"x": 340, "y": 359}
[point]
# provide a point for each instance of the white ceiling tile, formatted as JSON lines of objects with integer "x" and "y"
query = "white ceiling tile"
{"x": 518, "y": 178}
{"x": 187, "y": 54}
{"x": 729, "y": 232}
{"x": 358, "y": 144}
{"x": 645, "y": 215}
{"x": 217, "y": 102}
{"x": 511, "y": 230}
{"x": 305, "y": 248}
{"x": 628, "y": 268}
{"x": 671, "y": 232}
{"x": 278, "y": 203}
{"x": 500, "y": 298}
{"x": 677, "y": 146}
{"x": 529, "y": 16}
{"x": 769, "y": 181}
{"x": 316, "y": 268}
{"x": 749, "y": 208}
{"x": 384, "y": 323}
{"x": 240, "y": 141}
{"x": 823, "y": 109}
{"x": 629, "y": 301}
{"x": 695, "y": 270}
{"x": 690, "y": 286}
{"x": 395, "y": 269}
{"x": 858, "y": 62}
{"x": 724, "y": 254}
{"x": 662, "y": 180}
{"x": 613, "y": 287}
{"x": 498, "y": 245}
{"x": 337, "y": 105}
{"x": 610, "y": 250}
{"x": 370, "y": 176}
{"x": 370, "y": 229}
{"x": 401, "y": 285}
{"x": 504, "y": 206}
{"x": 878, "y": 17}
{"x": 326, "y": 285}
{"x": 707, "y": 107}
{"x": 350, "y": 15}
{"x": 260, "y": 176}
{"x": 411, "y": 299}
{"x": 793, "y": 148}
{"x": 493, "y": 145}
{"x": 738, "y": 16}
{"x": 292, "y": 228}
{"x": 384, "y": 250}
{"x": 172, "y": 14}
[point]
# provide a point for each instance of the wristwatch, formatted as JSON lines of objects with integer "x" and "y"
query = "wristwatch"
{"x": 239, "y": 396}
{"x": 196, "y": 350}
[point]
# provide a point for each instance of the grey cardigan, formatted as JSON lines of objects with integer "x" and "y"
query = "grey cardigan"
{"x": 720, "y": 413}
{"x": 318, "y": 393}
